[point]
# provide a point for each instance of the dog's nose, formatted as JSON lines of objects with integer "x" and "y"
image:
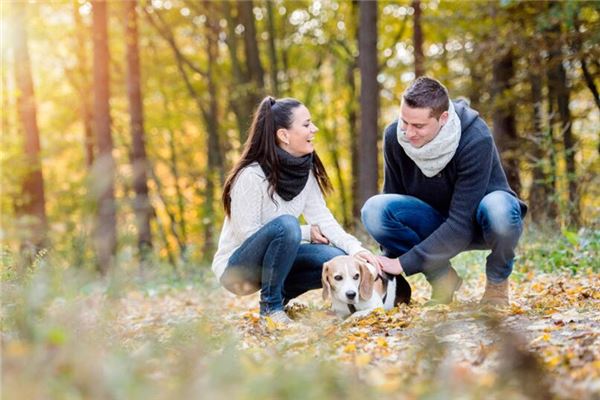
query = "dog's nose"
{"x": 351, "y": 294}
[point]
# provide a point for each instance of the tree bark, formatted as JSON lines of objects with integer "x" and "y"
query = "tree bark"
{"x": 255, "y": 68}
{"x": 504, "y": 122}
{"x": 31, "y": 208}
{"x": 141, "y": 205}
{"x": 540, "y": 201}
{"x": 418, "y": 39}
{"x": 104, "y": 166}
{"x": 560, "y": 93}
{"x": 83, "y": 85}
{"x": 369, "y": 102}
{"x": 272, "y": 50}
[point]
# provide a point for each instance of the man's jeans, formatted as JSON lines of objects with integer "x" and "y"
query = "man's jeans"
{"x": 274, "y": 261}
{"x": 399, "y": 222}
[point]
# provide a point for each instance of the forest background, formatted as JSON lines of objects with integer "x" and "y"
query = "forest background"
{"x": 121, "y": 119}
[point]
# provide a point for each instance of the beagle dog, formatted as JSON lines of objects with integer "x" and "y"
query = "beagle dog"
{"x": 356, "y": 288}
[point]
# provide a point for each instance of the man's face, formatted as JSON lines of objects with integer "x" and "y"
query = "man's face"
{"x": 419, "y": 126}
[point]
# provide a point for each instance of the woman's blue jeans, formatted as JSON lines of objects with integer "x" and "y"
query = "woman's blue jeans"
{"x": 274, "y": 261}
{"x": 399, "y": 222}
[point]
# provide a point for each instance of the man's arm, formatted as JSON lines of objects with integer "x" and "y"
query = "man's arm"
{"x": 455, "y": 234}
{"x": 391, "y": 170}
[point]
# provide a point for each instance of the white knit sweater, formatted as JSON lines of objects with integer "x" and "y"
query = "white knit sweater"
{"x": 252, "y": 208}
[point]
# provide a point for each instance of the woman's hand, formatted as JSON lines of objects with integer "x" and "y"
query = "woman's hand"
{"x": 390, "y": 265}
{"x": 316, "y": 236}
{"x": 367, "y": 256}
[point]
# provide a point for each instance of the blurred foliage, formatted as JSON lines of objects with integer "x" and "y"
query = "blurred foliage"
{"x": 65, "y": 334}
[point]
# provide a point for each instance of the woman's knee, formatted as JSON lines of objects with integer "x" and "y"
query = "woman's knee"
{"x": 288, "y": 227}
{"x": 235, "y": 282}
{"x": 499, "y": 213}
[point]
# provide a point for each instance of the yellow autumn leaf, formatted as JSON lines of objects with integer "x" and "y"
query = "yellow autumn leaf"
{"x": 350, "y": 348}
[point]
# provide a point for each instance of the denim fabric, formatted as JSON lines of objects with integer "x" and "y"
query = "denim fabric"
{"x": 274, "y": 261}
{"x": 400, "y": 222}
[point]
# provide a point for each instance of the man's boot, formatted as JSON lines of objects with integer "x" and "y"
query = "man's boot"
{"x": 443, "y": 288}
{"x": 496, "y": 294}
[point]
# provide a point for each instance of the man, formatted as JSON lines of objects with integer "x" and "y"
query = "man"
{"x": 444, "y": 192}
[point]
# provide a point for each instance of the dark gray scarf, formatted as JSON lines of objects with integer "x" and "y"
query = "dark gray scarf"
{"x": 293, "y": 173}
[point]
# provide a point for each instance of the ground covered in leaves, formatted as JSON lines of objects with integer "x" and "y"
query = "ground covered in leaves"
{"x": 70, "y": 339}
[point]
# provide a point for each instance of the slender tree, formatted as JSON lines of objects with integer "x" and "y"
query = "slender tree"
{"x": 255, "y": 68}
{"x": 540, "y": 201}
{"x": 504, "y": 122}
{"x": 274, "y": 70}
{"x": 418, "y": 39}
{"x": 83, "y": 83}
{"x": 559, "y": 95}
{"x": 369, "y": 101}
{"x": 141, "y": 205}
{"x": 105, "y": 234}
{"x": 31, "y": 207}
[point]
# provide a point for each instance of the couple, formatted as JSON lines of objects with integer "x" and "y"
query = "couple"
{"x": 444, "y": 192}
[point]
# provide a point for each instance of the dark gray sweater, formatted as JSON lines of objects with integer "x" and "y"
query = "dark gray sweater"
{"x": 473, "y": 172}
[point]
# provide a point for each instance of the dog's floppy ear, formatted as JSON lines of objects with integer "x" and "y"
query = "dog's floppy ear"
{"x": 367, "y": 280}
{"x": 325, "y": 281}
{"x": 403, "y": 291}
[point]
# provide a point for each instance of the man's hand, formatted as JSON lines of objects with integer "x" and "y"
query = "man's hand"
{"x": 367, "y": 256}
{"x": 316, "y": 236}
{"x": 390, "y": 265}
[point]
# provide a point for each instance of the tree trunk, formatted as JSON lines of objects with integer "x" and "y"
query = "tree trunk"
{"x": 31, "y": 208}
{"x": 215, "y": 167}
{"x": 255, "y": 68}
{"x": 84, "y": 86}
{"x": 272, "y": 50}
{"x": 539, "y": 194}
{"x": 353, "y": 131}
{"x": 369, "y": 102}
{"x": 504, "y": 122}
{"x": 418, "y": 39}
{"x": 569, "y": 142}
{"x": 104, "y": 168}
{"x": 241, "y": 94}
{"x": 141, "y": 205}
{"x": 559, "y": 91}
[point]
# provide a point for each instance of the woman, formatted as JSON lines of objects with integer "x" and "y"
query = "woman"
{"x": 279, "y": 177}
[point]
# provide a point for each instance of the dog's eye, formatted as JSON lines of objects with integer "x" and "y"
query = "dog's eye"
{"x": 338, "y": 277}
{"x": 356, "y": 277}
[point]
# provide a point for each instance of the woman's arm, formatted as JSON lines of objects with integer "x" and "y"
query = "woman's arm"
{"x": 316, "y": 213}
{"x": 247, "y": 195}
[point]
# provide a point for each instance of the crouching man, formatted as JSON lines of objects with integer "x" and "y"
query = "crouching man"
{"x": 444, "y": 192}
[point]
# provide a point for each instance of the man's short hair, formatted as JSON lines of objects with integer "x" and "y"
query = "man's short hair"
{"x": 427, "y": 92}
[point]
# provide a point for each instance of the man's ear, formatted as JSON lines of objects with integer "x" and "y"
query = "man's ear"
{"x": 444, "y": 118}
{"x": 325, "y": 281}
{"x": 282, "y": 135}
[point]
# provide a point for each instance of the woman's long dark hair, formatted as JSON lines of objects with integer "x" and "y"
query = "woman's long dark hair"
{"x": 270, "y": 116}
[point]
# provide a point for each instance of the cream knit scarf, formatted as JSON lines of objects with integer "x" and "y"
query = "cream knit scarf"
{"x": 435, "y": 155}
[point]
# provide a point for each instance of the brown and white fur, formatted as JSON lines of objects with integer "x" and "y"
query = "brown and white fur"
{"x": 356, "y": 288}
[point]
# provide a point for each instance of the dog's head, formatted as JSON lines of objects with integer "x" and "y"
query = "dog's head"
{"x": 348, "y": 280}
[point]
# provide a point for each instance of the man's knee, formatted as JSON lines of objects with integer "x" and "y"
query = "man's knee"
{"x": 499, "y": 213}
{"x": 372, "y": 212}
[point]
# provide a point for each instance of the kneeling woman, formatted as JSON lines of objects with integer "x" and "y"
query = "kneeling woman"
{"x": 278, "y": 178}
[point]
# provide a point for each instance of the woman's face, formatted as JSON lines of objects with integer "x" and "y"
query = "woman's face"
{"x": 298, "y": 138}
